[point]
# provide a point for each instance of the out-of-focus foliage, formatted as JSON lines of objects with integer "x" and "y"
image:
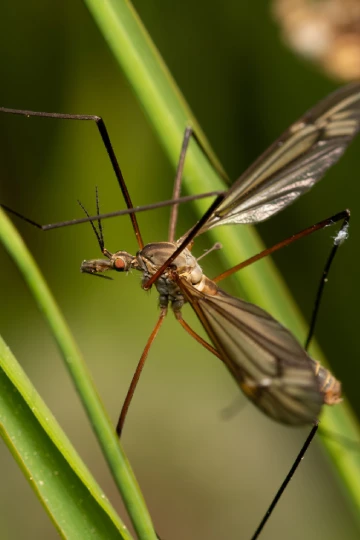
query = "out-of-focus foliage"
{"x": 325, "y": 31}
{"x": 202, "y": 477}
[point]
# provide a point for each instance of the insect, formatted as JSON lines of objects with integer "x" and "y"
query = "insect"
{"x": 267, "y": 362}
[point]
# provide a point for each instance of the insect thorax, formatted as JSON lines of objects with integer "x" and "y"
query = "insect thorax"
{"x": 153, "y": 256}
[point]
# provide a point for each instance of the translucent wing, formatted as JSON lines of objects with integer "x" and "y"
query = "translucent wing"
{"x": 267, "y": 362}
{"x": 298, "y": 159}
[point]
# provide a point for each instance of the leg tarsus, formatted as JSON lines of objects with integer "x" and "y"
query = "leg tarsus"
{"x": 196, "y": 336}
{"x": 136, "y": 376}
{"x": 286, "y": 481}
{"x": 177, "y": 183}
{"x": 338, "y": 241}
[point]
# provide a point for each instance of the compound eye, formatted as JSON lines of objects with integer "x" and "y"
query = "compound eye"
{"x": 119, "y": 264}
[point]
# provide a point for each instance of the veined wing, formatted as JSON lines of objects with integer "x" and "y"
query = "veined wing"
{"x": 293, "y": 163}
{"x": 267, "y": 362}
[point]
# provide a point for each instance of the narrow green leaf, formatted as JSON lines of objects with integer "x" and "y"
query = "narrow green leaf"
{"x": 66, "y": 489}
{"x": 118, "y": 463}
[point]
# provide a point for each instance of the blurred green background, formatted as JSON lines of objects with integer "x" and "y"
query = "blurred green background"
{"x": 202, "y": 477}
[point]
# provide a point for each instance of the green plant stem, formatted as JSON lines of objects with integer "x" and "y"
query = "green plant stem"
{"x": 71, "y": 497}
{"x": 118, "y": 463}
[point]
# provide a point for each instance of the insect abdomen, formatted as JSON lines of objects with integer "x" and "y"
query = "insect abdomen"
{"x": 329, "y": 385}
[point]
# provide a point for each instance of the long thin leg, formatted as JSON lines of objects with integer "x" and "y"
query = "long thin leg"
{"x": 177, "y": 183}
{"x": 140, "y": 366}
{"x": 108, "y": 215}
{"x": 108, "y": 146}
{"x": 215, "y": 247}
{"x": 300, "y": 455}
{"x": 286, "y": 481}
{"x": 189, "y": 132}
{"x": 193, "y": 232}
{"x": 345, "y": 215}
{"x": 136, "y": 376}
{"x": 339, "y": 239}
{"x": 196, "y": 336}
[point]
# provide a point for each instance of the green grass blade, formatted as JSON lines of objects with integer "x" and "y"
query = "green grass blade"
{"x": 66, "y": 489}
{"x": 169, "y": 114}
{"x": 110, "y": 445}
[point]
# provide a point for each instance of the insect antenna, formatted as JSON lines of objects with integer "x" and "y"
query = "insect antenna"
{"x": 97, "y": 231}
{"x": 98, "y": 214}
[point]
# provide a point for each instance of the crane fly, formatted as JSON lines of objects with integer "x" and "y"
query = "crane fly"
{"x": 269, "y": 365}
{"x": 272, "y": 369}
